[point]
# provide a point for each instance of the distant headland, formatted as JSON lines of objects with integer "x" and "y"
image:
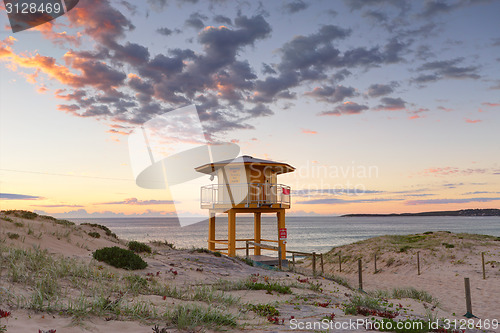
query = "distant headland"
{"x": 463, "y": 212}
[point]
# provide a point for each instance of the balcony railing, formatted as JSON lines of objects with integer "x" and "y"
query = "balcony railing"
{"x": 244, "y": 195}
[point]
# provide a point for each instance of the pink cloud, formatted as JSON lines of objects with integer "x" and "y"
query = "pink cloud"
{"x": 444, "y": 109}
{"x": 448, "y": 171}
{"x": 490, "y": 104}
{"x": 308, "y": 131}
{"x": 472, "y": 121}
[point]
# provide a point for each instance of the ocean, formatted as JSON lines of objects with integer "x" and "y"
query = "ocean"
{"x": 305, "y": 234}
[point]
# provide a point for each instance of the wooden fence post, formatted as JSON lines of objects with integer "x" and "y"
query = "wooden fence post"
{"x": 322, "y": 267}
{"x": 484, "y": 269}
{"x": 247, "y": 250}
{"x": 279, "y": 258}
{"x": 293, "y": 260}
{"x": 340, "y": 263}
{"x": 314, "y": 263}
{"x": 468, "y": 300}
{"x": 375, "y": 263}
{"x": 418, "y": 262}
{"x": 360, "y": 274}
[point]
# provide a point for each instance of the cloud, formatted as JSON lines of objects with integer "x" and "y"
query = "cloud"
{"x": 59, "y": 38}
{"x": 391, "y": 104}
{"x": 480, "y": 192}
{"x": 331, "y": 94}
{"x": 444, "y": 108}
{"x": 472, "y": 121}
{"x": 334, "y": 191}
{"x": 11, "y": 196}
{"x": 164, "y": 31}
{"x": 377, "y": 90}
{"x": 346, "y": 108}
{"x": 221, "y": 19}
{"x": 449, "y": 201}
{"x": 448, "y": 69}
{"x": 491, "y": 104}
{"x": 195, "y": 21}
{"x": 135, "y": 201}
{"x": 82, "y": 213}
{"x": 295, "y": 6}
{"x": 342, "y": 201}
{"x": 447, "y": 171}
{"x": 57, "y": 206}
{"x": 438, "y": 7}
{"x": 359, "y": 4}
{"x": 308, "y": 131}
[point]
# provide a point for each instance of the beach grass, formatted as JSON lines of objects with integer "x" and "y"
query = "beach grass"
{"x": 54, "y": 281}
{"x": 409, "y": 292}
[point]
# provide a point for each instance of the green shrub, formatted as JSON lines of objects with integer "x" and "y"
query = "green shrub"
{"x": 404, "y": 248}
{"x": 448, "y": 246}
{"x": 138, "y": 247}
{"x": 120, "y": 258}
{"x": 102, "y": 227}
{"x": 94, "y": 234}
{"x": 8, "y": 219}
{"x": 22, "y": 214}
{"x": 428, "y": 232}
{"x": 12, "y": 235}
{"x": 65, "y": 223}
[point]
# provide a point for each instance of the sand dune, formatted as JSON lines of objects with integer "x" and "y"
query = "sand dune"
{"x": 49, "y": 280}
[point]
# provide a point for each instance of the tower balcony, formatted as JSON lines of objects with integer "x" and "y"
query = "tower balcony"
{"x": 245, "y": 195}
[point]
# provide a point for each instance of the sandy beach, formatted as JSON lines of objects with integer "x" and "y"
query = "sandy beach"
{"x": 49, "y": 280}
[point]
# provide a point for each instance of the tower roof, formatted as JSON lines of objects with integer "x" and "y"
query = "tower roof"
{"x": 245, "y": 160}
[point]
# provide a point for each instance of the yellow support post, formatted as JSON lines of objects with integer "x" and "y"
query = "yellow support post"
{"x": 257, "y": 229}
{"x": 281, "y": 224}
{"x": 231, "y": 233}
{"x": 211, "y": 232}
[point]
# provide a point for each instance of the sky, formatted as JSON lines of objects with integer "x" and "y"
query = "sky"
{"x": 382, "y": 106}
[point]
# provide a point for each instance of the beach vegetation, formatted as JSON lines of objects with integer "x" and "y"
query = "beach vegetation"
{"x": 367, "y": 301}
{"x": 8, "y": 219}
{"x": 4, "y": 314}
{"x": 107, "y": 231}
{"x": 252, "y": 284}
{"x": 264, "y": 310}
{"x": 120, "y": 258}
{"x": 12, "y": 235}
{"x": 404, "y": 249}
{"x": 138, "y": 247}
{"x": 191, "y": 316}
{"x": 163, "y": 243}
{"x": 205, "y": 250}
{"x": 21, "y": 214}
{"x": 65, "y": 223}
{"x": 448, "y": 245}
{"x": 246, "y": 260}
{"x": 339, "y": 279}
{"x": 390, "y": 261}
{"x": 94, "y": 234}
{"x": 410, "y": 292}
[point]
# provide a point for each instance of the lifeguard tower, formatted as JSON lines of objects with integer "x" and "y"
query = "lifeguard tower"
{"x": 246, "y": 185}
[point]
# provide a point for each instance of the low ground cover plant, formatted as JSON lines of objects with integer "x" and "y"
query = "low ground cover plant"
{"x": 138, "y": 247}
{"x": 120, "y": 258}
